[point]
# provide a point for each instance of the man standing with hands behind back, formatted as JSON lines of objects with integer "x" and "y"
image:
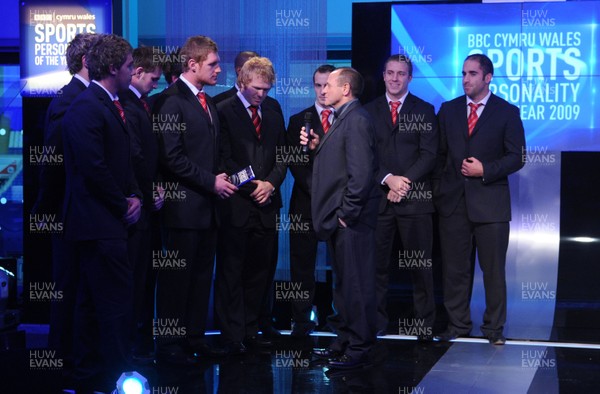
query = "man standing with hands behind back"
{"x": 481, "y": 140}
{"x": 101, "y": 202}
{"x": 345, "y": 198}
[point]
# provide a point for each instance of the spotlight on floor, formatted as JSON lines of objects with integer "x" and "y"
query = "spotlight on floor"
{"x": 132, "y": 383}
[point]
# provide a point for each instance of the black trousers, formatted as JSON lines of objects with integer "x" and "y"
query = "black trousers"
{"x": 303, "y": 256}
{"x": 414, "y": 257}
{"x": 353, "y": 262}
{"x": 103, "y": 309}
{"x": 457, "y": 236}
{"x": 183, "y": 285}
{"x": 246, "y": 262}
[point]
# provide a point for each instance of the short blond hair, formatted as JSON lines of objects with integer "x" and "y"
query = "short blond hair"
{"x": 259, "y": 66}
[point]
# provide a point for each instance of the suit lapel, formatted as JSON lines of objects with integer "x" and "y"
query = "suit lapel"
{"x": 189, "y": 96}
{"x": 105, "y": 99}
{"x": 336, "y": 124}
{"x": 244, "y": 117}
{"x": 488, "y": 110}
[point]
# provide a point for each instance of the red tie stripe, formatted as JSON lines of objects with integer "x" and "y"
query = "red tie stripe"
{"x": 255, "y": 119}
{"x": 146, "y": 106}
{"x": 121, "y": 110}
{"x": 394, "y": 110}
{"x": 472, "y": 120}
{"x": 325, "y": 120}
{"x": 202, "y": 97}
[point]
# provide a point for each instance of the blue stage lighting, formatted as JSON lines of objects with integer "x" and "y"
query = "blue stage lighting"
{"x": 132, "y": 383}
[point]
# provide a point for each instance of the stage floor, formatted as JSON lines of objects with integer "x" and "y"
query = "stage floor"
{"x": 400, "y": 365}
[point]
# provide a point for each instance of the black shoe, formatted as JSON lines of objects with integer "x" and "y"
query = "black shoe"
{"x": 235, "y": 348}
{"x": 346, "y": 362}
{"x": 326, "y": 353}
{"x": 205, "y": 350}
{"x": 496, "y": 339}
{"x": 176, "y": 358}
{"x": 381, "y": 333}
{"x": 257, "y": 341}
{"x": 270, "y": 332}
{"x": 448, "y": 336}
{"x": 301, "y": 331}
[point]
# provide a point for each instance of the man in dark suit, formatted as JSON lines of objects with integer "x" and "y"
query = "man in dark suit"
{"x": 189, "y": 131}
{"x": 51, "y": 195}
{"x": 252, "y": 134}
{"x": 303, "y": 244}
{"x": 481, "y": 140}
{"x": 101, "y": 201}
{"x": 344, "y": 198}
{"x": 144, "y": 147}
{"x": 265, "y": 322}
{"x": 407, "y": 141}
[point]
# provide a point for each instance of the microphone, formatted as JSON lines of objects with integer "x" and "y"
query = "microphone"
{"x": 307, "y": 127}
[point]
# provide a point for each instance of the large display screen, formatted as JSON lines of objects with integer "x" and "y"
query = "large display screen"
{"x": 47, "y": 27}
{"x": 544, "y": 55}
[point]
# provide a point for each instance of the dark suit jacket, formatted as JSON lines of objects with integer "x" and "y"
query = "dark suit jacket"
{"x": 241, "y": 147}
{"x": 301, "y": 164}
{"x": 497, "y": 141}
{"x": 98, "y": 167}
{"x": 188, "y": 149}
{"x": 407, "y": 149}
{"x": 144, "y": 149}
{"x": 345, "y": 167}
{"x": 52, "y": 177}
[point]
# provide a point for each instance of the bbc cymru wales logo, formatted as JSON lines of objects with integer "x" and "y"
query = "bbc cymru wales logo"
{"x": 537, "y": 291}
{"x": 291, "y": 18}
{"x": 290, "y": 291}
{"x": 168, "y": 328}
{"x": 168, "y": 124}
{"x": 291, "y": 156}
{"x": 292, "y": 223}
{"x": 414, "y": 327}
{"x": 44, "y": 291}
{"x": 290, "y": 359}
{"x": 537, "y": 359}
{"x": 414, "y": 259}
{"x": 169, "y": 191}
{"x": 44, "y": 360}
{"x": 414, "y": 124}
{"x": 45, "y": 155}
{"x": 538, "y": 156}
{"x": 167, "y": 259}
{"x": 45, "y": 224}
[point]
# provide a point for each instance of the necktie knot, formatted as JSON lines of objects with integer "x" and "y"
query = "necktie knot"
{"x": 325, "y": 120}
{"x": 121, "y": 110}
{"x": 394, "y": 105}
